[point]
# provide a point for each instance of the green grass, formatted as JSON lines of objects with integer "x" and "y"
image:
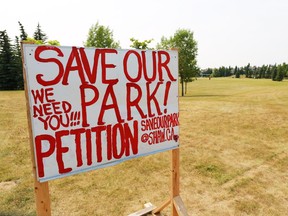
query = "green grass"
{"x": 233, "y": 147}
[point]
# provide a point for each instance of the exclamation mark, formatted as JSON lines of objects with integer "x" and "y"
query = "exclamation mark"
{"x": 78, "y": 117}
{"x": 167, "y": 89}
{"x": 75, "y": 118}
{"x": 71, "y": 118}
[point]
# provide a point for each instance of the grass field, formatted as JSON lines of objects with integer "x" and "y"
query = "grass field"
{"x": 234, "y": 158}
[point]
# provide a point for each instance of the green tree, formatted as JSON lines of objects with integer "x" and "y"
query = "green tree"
{"x": 284, "y": 69}
{"x": 279, "y": 76}
{"x": 216, "y": 72}
{"x": 248, "y": 71}
{"x": 237, "y": 72}
{"x": 268, "y": 72}
{"x": 8, "y": 68}
{"x": 53, "y": 42}
{"x": 206, "y": 72}
{"x": 40, "y": 42}
{"x": 279, "y": 73}
{"x": 101, "y": 37}
{"x": 23, "y": 34}
{"x": 165, "y": 43}
{"x": 140, "y": 45}
{"x": 33, "y": 40}
{"x": 273, "y": 72}
{"x": 39, "y": 34}
{"x": 183, "y": 40}
{"x": 18, "y": 64}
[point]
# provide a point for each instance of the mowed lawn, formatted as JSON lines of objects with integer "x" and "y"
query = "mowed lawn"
{"x": 233, "y": 148}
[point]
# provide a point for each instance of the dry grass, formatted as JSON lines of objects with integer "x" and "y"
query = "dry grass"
{"x": 236, "y": 147}
{"x": 234, "y": 158}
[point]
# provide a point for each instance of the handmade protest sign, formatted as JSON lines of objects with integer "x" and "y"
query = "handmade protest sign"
{"x": 91, "y": 108}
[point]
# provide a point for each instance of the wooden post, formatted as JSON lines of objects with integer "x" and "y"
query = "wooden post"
{"x": 175, "y": 189}
{"x": 177, "y": 205}
{"x": 41, "y": 190}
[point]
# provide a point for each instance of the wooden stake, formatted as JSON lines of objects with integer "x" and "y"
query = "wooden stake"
{"x": 175, "y": 180}
{"x": 41, "y": 190}
{"x": 162, "y": 206}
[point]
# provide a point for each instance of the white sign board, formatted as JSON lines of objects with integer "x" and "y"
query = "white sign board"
{"x": 92, "y": 108}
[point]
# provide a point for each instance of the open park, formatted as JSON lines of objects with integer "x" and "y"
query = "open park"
{"x": 233, "y": 158}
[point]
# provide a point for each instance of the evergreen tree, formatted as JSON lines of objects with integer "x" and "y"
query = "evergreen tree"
{"x": 23, "y": 34}
{"x": 268, "y": 72}
{"x": 248, "y": 71}
{"x": 284, "y": 68}
{"x": 273, "y": 72}
{"x": 216, "y": 72}
{"x": 39, "y": 34}
{"x": 279, "y": 76}
{"x": 279, "y": 73}
{"x": 262, "y": 71}
{"x": 8, "y": 68}
{"x": 18, "y": 64}
{"x": 237, "y": 72}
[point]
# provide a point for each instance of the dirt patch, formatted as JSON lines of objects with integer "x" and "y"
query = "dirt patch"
{"x": 7, "y": 185}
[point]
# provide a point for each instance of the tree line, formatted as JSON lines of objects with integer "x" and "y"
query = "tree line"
{"x": 11, "y": 72}
{"x": 276, "y": 72}
{"x": 99, "y": 36}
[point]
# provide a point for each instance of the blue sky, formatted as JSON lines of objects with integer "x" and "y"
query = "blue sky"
{"x": 228, "y": 32}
